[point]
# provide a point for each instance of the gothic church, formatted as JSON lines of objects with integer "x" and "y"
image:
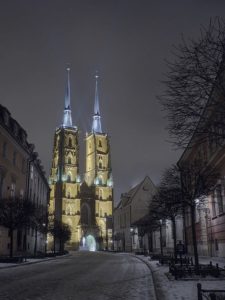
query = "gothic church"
{"x": 85, "y": 205}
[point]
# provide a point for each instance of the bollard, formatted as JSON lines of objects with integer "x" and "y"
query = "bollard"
{"x": 199, "y": 287}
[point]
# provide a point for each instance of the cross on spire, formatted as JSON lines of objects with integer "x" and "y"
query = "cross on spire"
{"x": 67, "y": 116}
{"x": 96, "y": 124}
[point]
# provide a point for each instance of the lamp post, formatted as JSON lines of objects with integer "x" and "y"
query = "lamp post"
{"x": 160, "y": 232}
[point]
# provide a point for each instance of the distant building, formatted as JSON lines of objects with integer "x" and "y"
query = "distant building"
{"x": 130, "y": 215}
{"x": 21, "y": 176}
{"x": 85, "y": 205}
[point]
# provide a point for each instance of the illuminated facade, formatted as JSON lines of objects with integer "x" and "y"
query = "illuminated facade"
{"x": 86, "y": 206}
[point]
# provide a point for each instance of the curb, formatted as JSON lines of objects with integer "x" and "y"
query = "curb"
{"x": 153, "y": 277}
{"x": 33, "y": 262}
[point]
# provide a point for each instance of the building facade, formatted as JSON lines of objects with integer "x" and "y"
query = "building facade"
{"x": 86, "y": 206}
{"x": 17, "y": 159}
{"x": 130, "y": 215}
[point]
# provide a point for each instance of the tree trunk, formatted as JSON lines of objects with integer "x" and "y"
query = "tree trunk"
{"x": 11, "y": 242}
{"x": 174, "y": 237}
{"x": 35, "y": 242}
{"x": 150, "y": 242}
{"x": 194, "y": 240}
{"x": 161, "y": 244}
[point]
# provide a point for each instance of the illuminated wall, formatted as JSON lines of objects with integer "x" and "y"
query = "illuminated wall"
{"x": 98, "y": 174}
{"x": 65, "y": 182}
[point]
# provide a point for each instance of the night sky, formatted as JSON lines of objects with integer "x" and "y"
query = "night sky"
{"x": 127, "y": 42}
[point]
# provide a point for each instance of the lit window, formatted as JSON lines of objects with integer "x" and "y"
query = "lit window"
{"x": 31, "y": 172}
{"x": 13, "y": 189}
{"x": 21, "y": 194}
{"x": 69, "y": 178}
{"x": 219, "y": 198}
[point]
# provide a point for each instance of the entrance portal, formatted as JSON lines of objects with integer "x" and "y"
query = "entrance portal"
{"x": 88, "y": 243}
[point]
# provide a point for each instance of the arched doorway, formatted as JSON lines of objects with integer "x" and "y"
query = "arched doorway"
{"x": 89, "y": 243}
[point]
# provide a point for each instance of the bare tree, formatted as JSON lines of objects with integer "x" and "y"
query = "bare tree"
{"x": 167, "y": 203}
{"x": 197, "y": 182}
{"x": 195, "y": 91}
{"x": 61, "y": 232}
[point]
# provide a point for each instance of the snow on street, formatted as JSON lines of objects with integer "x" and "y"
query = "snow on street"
{"x": 83, "y": 275}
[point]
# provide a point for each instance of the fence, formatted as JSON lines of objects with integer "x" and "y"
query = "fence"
{"x": 204, "y": 294}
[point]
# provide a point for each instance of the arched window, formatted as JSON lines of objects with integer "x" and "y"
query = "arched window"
{"x": 100, "y": 179}
{"x": 69, "y": 177}
{"x": 69, "y": 160}
{"x": 100, "y": 194}
{"x": 100, "y": 164}
{"x": 100, "y": 143}
{"x": 70, "y": 143}
{"x": 85, "y": 215}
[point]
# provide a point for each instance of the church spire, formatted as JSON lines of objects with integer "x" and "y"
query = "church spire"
{"x": 96, "y": 125}
{"x": 67, "y": 117}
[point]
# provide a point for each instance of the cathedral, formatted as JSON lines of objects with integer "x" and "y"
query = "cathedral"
{"x": 85, "y": 202}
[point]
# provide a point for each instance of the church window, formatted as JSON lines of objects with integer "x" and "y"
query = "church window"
{"x": 69, "y": 160}
{"x": 69, "y": 177}
{"x": 100, "y": 180}
{"x": 100, "y": 165}
{"x": 70, "y": 142}
{"x": 68, "y": 194}
{"x": 85, "y": 215}
{"x": 100, "y": 194}
{"x": 100, "y": 143}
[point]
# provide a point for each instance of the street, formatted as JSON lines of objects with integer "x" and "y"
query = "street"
{"x": 82, "y": 275}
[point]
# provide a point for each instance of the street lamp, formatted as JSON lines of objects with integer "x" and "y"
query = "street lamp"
{"x": 131, "y": 237}
{"x": 160, "y": 231}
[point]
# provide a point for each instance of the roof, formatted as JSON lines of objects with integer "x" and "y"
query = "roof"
{"x": 126, "y": 198}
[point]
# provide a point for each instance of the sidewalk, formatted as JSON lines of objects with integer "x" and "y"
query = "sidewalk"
{"x": 29, "y": 261}
{"x": 180, "y": 289}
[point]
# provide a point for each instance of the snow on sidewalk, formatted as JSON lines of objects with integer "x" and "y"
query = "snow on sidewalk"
{"x": 177, "y": 289}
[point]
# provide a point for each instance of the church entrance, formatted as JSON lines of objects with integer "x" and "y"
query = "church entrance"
{"x": 88, "y": 243}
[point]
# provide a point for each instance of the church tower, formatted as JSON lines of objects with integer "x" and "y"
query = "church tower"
{"x": 64, "y": 177}
{"x": 98, "y": 180}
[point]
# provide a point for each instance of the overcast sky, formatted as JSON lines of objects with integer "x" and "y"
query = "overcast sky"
{"x": 127, "y": 42}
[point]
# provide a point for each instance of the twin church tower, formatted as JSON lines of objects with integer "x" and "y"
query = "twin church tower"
{"x": 85, "y": 205}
